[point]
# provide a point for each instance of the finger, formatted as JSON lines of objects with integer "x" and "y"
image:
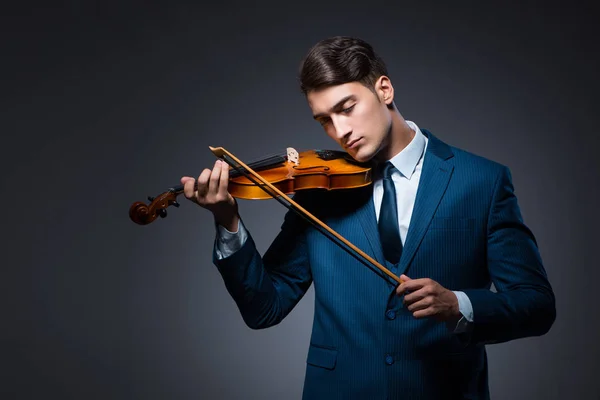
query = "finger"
{"x": 403, "y": 278}
{"x": 188, "y": 186}
{"x": 420, "y": 305}
{"x": 224, "y": 180}
{"x": 184, "y": 180}
{"x": 410, "y": 286}
{"x": 202, "y": 189}
{"x": 213, "y": 182}
{"x": 425, "y": 313}
{"x": 412, "y": 297}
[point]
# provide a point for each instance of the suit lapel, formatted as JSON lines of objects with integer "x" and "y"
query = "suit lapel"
{"x": 368, "y": 220}
{"x": 434, "y": 180}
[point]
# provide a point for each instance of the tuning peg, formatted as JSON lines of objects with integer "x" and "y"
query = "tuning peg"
{"x": 162, "y": 212}
{"x": 176, "y": 204}
{"x": 150, "y": 198}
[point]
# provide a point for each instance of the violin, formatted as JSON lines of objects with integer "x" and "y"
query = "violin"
{"x": 289, "y": 173}
{"x": 279, "y": 176}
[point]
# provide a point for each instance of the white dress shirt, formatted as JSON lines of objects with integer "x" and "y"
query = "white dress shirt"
{"x": 409, "y": 163}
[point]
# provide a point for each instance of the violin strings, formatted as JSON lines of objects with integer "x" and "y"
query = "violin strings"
{"x": 291, "y": 207}
{"x": 266, "y": 163}
{"x": 266, "y": 159}
{"x": 269, "y": 160}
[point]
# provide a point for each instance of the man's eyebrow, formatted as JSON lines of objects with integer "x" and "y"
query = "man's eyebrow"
{"x": 335, "y": 106}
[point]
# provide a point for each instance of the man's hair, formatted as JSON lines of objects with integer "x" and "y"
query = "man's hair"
{"x": 338, "y": 60}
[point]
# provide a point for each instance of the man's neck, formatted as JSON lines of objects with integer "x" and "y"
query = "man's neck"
{"x": 401, "y": 134}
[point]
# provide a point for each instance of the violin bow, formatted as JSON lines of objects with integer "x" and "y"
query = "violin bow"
{"x": 226, "y": 156}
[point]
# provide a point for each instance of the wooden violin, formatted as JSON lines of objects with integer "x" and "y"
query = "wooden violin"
{"x": 289, "y": 173}
{"x": 280, "y": 176}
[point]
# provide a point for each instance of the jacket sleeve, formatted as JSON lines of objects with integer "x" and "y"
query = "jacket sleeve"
{"x": 266, "y": 289}
{"x": 524, "y": 303}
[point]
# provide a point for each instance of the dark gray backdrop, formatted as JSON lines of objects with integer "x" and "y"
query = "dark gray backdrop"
{"x": 103, "y": 106}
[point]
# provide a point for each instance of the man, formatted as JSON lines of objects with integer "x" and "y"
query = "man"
{"x": 444, "y": 220}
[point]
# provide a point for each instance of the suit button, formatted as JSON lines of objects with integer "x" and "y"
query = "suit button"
{"x": 390, "y": 314}
{"x": 389, "y": 360}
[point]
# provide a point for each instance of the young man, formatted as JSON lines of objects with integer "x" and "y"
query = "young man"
{"x": 444, "y": 220}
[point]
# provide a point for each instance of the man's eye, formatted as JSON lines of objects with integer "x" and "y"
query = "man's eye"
{"x": 324, "y": 122}
{"x": 347, "y": 110}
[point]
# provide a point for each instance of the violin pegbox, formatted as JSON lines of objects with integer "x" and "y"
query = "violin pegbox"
{"x": 292, "y": 155}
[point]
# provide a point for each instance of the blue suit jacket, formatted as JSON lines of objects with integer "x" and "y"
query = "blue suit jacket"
{"x": 465, "y": 233}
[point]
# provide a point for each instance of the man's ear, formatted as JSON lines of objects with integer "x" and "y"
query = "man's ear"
{"x": 385, "y": 90}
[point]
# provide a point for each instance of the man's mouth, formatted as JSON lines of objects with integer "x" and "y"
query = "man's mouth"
{"x": 353, "y": 143}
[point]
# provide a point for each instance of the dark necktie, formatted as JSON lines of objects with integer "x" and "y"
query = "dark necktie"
{"x": 389, "y": 232}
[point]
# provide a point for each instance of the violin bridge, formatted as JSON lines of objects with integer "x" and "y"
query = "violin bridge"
{"x": 292, "y": 155}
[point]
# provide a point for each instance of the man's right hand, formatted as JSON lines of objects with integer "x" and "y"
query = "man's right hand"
{"x": 212, "y": 194}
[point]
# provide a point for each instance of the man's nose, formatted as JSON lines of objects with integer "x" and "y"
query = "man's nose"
{"x": 342, "y": 128}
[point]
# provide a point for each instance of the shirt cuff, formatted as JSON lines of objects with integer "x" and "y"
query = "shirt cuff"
{"x": 464, "y": 305}
{"x": 465, "y": 323}
{"x": 227, "y": 243}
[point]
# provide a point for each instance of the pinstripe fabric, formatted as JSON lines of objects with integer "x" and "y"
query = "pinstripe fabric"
{"x": 466, "y": 232}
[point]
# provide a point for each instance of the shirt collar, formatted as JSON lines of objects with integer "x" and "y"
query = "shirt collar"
{"x": 406, "y": 161}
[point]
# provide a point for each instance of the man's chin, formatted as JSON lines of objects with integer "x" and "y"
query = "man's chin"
{"x": 362, "y": 155}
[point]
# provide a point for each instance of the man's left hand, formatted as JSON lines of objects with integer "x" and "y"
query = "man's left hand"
{"x": 427, "y": 298}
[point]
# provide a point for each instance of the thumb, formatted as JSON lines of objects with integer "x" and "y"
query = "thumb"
{"x": 184, "y": 179}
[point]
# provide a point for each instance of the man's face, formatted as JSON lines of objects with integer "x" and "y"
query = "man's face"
{"x": 355, "y": 117}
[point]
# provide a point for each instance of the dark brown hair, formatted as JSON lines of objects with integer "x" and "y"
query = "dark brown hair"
{"x": 338, "y": 60}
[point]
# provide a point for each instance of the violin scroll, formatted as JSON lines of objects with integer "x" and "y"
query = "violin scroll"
{"x": 143, "y": 214}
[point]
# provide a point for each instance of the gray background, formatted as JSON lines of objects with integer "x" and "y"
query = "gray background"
{"x": 103, "y": 106}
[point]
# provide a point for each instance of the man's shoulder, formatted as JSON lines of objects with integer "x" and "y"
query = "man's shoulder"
{"x": 473, "y": 160}
{"x": 463, "y": 159}
{"x": 475, "y": 172}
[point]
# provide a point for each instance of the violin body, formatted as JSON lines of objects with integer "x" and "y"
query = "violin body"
{"x": 314, "y": 169}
